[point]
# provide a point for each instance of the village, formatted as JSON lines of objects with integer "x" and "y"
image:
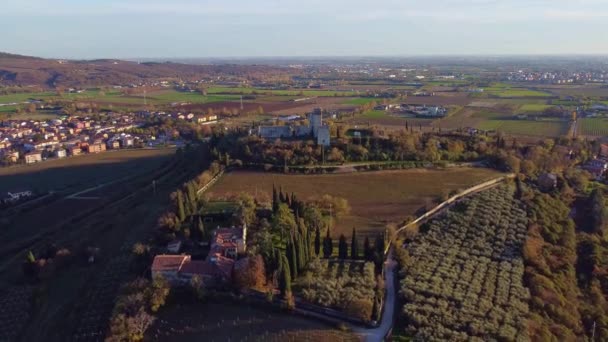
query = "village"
{"x": 33, "y": 141}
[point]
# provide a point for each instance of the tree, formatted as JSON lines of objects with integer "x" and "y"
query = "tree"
{"x": 599, "y": 214}
{"x": 342, "y": 248}
{"x": 284, "y": 276}
{"x": 368, "y": 251}
{"x": 360, "y": 309}
{"x": 328, "y": 245}
{"x": 283, "y": 221}
{"x": 181, "y": 213}
{"x": 158, "y": 293}
{"x": 275, "y": 200}
{"x": 354, "y": 250}
{"x": 252, "y": 274}
{"x": 317, "y": 241}
{"x": 313, "y": 218}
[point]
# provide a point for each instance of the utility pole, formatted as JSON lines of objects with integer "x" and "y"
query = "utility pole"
{"x": 154, "y": 186}
{"x": 241, "y": 102}
{"x": 593, "y": 332}
{"x": 323, "y": 155}
{"x": 145, "y": 100}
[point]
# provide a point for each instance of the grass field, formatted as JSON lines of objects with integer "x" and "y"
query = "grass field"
{"x": 222, "y": 321}
{"x": 503, "y": 90}
{"x": 297, "y": 92}
{"x": 594, "y": 127}
{"x": 543, "y": 128}
{"x": 376, "y": 198}
{"x": 86, "y": 170}
{"x": 534, "y": 108}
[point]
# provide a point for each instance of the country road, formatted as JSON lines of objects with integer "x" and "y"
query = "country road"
{"x": 388, "y": 314}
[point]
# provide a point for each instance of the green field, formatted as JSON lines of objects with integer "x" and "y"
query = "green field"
{"x": 303, "y": 92}
{"x": 544, "y": 128}
{"x": 503, "y": 90}
{"x": 375, "y": 114}
{"x": 594, "y": 127}
{"x": 22, "y": 97}
{"x": 534, "y": 108}
{"x": 376, "y": 198}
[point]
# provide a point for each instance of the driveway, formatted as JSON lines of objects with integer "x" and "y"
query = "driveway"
{"x": 377, "y": 334}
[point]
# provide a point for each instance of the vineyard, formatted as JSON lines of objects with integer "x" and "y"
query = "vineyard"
{"x": 342, "y": 285}
{"x": 464, "y": 281}
{"x": 594, "y": 127}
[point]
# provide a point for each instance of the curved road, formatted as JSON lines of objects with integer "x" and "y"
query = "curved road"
{"x": 378, "y": 334}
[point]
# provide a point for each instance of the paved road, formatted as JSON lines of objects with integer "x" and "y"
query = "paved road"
{"x": 377, "y": 334}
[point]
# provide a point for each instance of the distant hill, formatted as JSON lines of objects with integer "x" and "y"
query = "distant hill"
{"x": 17, "y": 70}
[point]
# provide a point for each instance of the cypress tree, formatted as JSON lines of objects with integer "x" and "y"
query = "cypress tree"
{"x": 354, "y": 250}
{"x": 328, "y": 246}
{"x": 181, "y": 213}
{"x": 342, "y": 247}
{"x": 367, "y": 250}
{"x": 293, "y": 257}
{"x": 317, "y": 242}
{"x": 284, "y": 276}
{"x": 275, "y": 199}
{"x": 201, "y": 228}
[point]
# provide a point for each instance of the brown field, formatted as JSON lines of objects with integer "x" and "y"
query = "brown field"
{"x": 86, "y": 170}
{"x": 242, "y": 322}
{"x": 441, "y": 99}
{"x": 376, "y": 198}
{"x": 587, "y": 90}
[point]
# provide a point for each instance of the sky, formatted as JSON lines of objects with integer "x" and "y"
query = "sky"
{"x": 256, "y": 28}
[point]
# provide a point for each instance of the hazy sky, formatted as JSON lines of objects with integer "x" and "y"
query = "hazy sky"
{"x": 205, "y": 28}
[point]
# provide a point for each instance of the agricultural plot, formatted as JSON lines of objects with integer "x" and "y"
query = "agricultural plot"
{"x": 14, "y": 311}
{"x": 82, "y": 171}
{"x": 593, "y": 127}
{"x": 296, "y": 92}
{"x": 224, "y": 321}
{"x": 465, "y": 280}
{"x": 358, "y": 101}
{"x": 534, "y": 108}
{"x": 507, "y": 91}
{"x": 344, "y": 286}
{"x": 376, "y": 198}
{"x": 544, "y": 128}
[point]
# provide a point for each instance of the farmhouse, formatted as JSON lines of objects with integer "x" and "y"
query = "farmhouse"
{"x": 596, "y": 167}
{"x": 179, "y": 270}
{"x": 33, "y": 157}
{"x": 229, "y": 242}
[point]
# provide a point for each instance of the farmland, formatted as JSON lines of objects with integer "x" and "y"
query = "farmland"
{"x": 534, "y": 108}
{"x": 376, "y": 198}
{"x": 465, "y": 277}
{"x": 88, "y": 170}
{"x": 502, "y": 90}
{"x": 340, "y": 285}
{"x": 295, "y": 92}
{"x": 77, "y": 300}
{"x": 593, "y": 127}
{"x": 544, "y": 128}
{"x": 222, "y": 321}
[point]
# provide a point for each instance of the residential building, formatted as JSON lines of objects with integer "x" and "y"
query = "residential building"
{"x": 74, "y": 150}
{"x": 60, "y": 153}
{"x": 96, "y": 148}
{"x": 33, "y": 157}
{"x": 179, "y": 270}
{"x": 113, "y": 144}
{"x": 229, "y": 242}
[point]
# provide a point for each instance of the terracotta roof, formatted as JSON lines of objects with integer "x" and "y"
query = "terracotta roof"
{"x": 168, "y": 262}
